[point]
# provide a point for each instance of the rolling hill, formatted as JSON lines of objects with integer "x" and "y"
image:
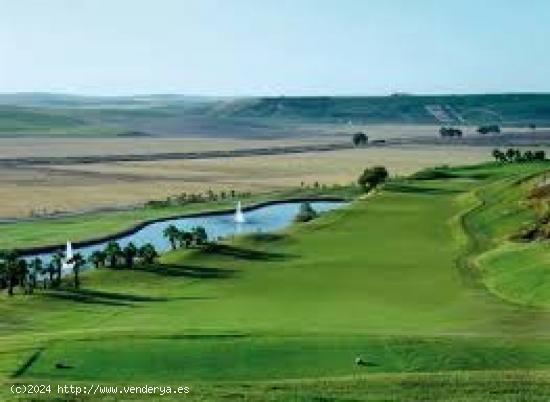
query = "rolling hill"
{"x": 51, "y": 114}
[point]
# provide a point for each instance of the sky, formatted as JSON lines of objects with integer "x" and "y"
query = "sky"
{"x": 274, "y": 47}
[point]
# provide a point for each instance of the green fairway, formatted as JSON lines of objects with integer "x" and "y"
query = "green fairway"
{"x": 417, "y": 280}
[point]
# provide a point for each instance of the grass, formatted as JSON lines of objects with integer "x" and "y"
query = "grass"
{"x": 282, "y": 317}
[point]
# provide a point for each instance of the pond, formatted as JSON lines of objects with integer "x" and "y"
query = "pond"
{"x": 260, "y": 219}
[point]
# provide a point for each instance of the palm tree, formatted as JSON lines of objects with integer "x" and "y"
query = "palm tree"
{"x": 35, "y": 268}
{"x": 113, "y": 252}
{"x": 10, "y": 258}
{"x": 171, "y": 233}
{"x": 200, "y": 236}
{"x": 148, "y": 253}
{"x": 78, "y": 262}
{"x": 499, "y": 155}
{"x": 3, "y": 270}
{"x": 51, "y": 271}
{"x": 98, "y": 258}
{"x": 22, "y": 274}
{"x": 185, "y": 238}
{"x": 130, "y": 252}
{"x": 57, "y": 260}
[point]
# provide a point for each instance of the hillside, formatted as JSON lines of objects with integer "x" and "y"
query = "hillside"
{"x": 48, "y": 114}
{"x": 513, "y": 109}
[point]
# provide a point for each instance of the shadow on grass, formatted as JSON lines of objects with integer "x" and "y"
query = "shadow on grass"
{"x": 27, "y": 364}
{"x": 188, "y": 271}
{"x": 266, "y": 237}
{"x": 405, "y": 188}
{"x": 92, "y": 296}
{"x": 245, "y": 253}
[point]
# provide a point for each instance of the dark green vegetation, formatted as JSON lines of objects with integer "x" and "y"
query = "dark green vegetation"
{"x": 450, "y": 132}
{"x": 413, "y": 280}
{"x": 45, "y": 114}
{"x": 372, "y": 177}
{"x": 306, "y": 213}
{"x": 513, "y": 155}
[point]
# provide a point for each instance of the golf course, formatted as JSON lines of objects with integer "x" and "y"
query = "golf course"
{"x": 419, "y": 280}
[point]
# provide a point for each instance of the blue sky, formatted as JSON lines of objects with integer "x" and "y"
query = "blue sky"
{"x": 274, "y": 47}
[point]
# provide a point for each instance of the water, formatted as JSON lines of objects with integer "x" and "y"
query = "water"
{"x": 264, "y": 219}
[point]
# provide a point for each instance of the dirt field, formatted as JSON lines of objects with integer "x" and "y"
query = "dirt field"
{"x": 89, "y": 186}
{"x": 30, "y": 147}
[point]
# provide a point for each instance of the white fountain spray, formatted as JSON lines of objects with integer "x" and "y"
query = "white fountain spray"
{"x": 239, "y": 216}
{"x": 68, "y": 262}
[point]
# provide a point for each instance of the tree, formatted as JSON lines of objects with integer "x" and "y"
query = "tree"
{"x": 97, "y": 258}
{"x": 129, "y": 252}
{"x": 113, "y": 252}
{"x": 306, "y": 213}
{"x": 9, "y": 259}
{"x": 200, "y": 236}
{"x": 510, "y": 154}
{"x": 539, "y": 155}
{"x": 57, "y": 260}
{"x": 185, "y": 238}
{"x": 360, "y": 139}
{"x": 499, "y": 155}
{"x": 51, "y": 271}
{"x": 171, "y": 233}
{"x": 528, "y": 156}
{"x": 372, "y": 177}
{"x": 22, "y": 272}
{"x": 488, "y": 129}
{"x": 450, "y": 132}
{"x": 148, "y": 253}
{"x": 36, "y": 267}
{"x": 78, "y": 262}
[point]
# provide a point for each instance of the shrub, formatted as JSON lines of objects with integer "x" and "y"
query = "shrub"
{"x": 372, "y": 177}
{"x": 306, "y": 213}
{"x": 360, "y": 139}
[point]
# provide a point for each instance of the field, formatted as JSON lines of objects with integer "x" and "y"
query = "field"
{"x": 408, "y": 279}
{"x": 90, "y": 186}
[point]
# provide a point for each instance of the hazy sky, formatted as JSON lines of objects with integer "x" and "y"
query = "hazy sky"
{"x": 274, "y": 47}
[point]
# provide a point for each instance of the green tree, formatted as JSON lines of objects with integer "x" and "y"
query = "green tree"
{"x": 171, "y": 233}
{"x": 499, "y": 155}
{"x": 113, "y": 253}
{"x": 510, "y": 154}
{"x": 200, "y": 236}
{"x": 185, "y": 238}
{"x": 129, "y": 252}
{"x": 147, "y": 253}
{"x": 98, "y": 258}
{"x": 372, "y": 177}
{"x": 539, "y": 155}
{"x": 9, "y": 268}
{"x": 57, "y": 260}
{"x": 51, "y": 271}
{"x": 36, "y": 267}
{"x": 306, "y": 213}
{"x": 78, "y": 263}
{"x": 22, "y": 271}
{"x": 360, "y": 139}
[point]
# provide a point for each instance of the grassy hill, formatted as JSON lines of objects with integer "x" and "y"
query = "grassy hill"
{"x": 45, "y": 114}
{"x": 458, "y": 109}
{"x": 396, "y": 278}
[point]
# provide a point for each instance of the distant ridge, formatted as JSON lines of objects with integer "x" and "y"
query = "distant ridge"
{"x": 167, "y": 114}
